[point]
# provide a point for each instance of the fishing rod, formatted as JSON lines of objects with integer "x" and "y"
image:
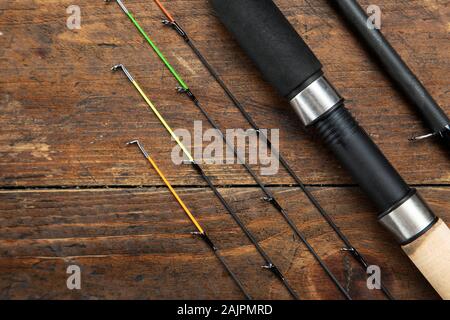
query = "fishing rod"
{"x": 288, "y": 63}
{"x": 270, "y": 265}
{"x": 269, "y": 196}
{"x": 397, "y": 69}
{"x": 348, "y": 246}
{"x": 200, "y": 231}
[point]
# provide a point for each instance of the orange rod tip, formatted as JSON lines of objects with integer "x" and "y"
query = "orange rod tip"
{"x": 164, "y": 10}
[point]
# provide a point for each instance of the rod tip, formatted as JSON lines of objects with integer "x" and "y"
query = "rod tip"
{"x": 117, "y": 66}
{"x": 132, "y": 142}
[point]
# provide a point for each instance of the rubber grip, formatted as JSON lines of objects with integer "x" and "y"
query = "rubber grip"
{"x": 362, "y": 158}
{"x": 271, "y": 42}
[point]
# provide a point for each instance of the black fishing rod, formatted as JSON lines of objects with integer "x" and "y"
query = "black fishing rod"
{"x": 288, "y": 63}
{"x": 200, "y": 230}
{"x": 269, "y": 196}
{"x": 270, "y": 265}
{"x": 396, "y": 68}
{"x": 170, "y": 21}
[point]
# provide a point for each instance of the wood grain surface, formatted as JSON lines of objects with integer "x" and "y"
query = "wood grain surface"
{"x": 71, "y": 192}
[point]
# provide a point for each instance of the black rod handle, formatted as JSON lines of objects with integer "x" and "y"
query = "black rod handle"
{"x": 289, "y": 64}
{"x": 275, "y": 47}
{"x": 395, "y": 67}
{"x": 362, "y": 158}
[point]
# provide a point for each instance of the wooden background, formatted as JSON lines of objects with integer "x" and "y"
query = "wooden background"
{"x": 71, "y": 192}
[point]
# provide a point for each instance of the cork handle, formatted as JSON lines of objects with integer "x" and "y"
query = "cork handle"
{"x": 431, "y": 255}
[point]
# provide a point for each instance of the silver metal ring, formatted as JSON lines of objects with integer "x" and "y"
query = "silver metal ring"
{"x": 316, "y": 99}
{"x": 409, "y": 219}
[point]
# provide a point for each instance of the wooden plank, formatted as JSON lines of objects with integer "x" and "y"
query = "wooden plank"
{"x": 135, "y": 243}
{"x": 65, "y": 117}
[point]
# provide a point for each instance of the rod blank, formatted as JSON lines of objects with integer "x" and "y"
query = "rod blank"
{"x": 397, "y": 69}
